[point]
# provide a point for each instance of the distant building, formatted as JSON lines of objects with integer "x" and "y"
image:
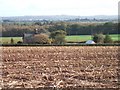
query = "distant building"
{"x": 28, "y": 37}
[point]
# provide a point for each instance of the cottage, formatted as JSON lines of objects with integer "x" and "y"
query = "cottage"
{"x": 28, "y": 37}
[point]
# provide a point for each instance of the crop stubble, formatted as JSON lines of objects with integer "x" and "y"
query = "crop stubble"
{"x": 84, "y": 66}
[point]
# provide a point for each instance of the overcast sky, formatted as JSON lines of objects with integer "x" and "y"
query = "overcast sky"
{"x": 58, "y": 7}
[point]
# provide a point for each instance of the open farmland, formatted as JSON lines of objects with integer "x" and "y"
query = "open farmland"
{"x": 7, "y": 40}
{"x": 71, "y": 38}
{"x": 73, "y": 66}
{"x": 80, "y": 38}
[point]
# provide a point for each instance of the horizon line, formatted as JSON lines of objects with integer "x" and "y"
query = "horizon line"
{"x": 60, "y": 15}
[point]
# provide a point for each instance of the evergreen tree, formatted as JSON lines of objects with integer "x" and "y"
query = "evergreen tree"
{"x": 12, "y": 41}
{"x": 108, "y": 39}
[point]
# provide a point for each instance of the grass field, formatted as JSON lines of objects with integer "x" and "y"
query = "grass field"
{"x": 79, "y": 38}
{"x": 7, "y": 40}
{"x": 73, "y": 38}
{"x": 115, "y": 37}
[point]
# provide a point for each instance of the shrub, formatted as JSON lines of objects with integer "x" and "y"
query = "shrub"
{"x": 58, "y": 37}
{"x": 108, "y": 39}
{"x": 12, "y": 41}
{"x": 98, "y": 38}
{"x": 41, "y": 39}
{"x": 116, "y": 41}
{"x": 19, "y": 42}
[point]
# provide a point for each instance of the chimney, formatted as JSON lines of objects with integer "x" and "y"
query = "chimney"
{"x": 36, "y": 31}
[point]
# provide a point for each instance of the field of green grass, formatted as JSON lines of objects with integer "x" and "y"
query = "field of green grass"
{"x": 73, "y": 38}
{"x": 7, "y": 40}
{"x": 80, "y": 38}
{"x": 115, "y": 37}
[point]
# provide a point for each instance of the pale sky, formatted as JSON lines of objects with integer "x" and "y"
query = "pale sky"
{"x": 58, "y": 7}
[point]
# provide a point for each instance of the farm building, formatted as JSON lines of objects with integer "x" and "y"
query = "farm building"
{"x": 40, "y": 37}
{"x": 28, "y": 37}
{"x": 90, "y": 42}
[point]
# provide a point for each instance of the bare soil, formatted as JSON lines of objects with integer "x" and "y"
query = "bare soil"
{"x": 80, "y": 66}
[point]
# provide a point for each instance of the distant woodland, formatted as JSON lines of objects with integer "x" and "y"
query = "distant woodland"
{"x": 17, "y": 29}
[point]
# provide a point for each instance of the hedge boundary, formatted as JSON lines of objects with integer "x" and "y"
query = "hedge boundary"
{"x": 60, "y": 44}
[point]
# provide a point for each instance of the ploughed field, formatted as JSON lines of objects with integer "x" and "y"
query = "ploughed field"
{"x": 73, "y": 66}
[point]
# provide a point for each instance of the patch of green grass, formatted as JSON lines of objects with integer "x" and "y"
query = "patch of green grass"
{"x": 80, "y": 38}
{"x": 7, "y": 40}
{"x": 115, "y": 37}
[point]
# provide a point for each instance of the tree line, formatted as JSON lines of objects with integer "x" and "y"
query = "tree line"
{"x": 18, "y": 29}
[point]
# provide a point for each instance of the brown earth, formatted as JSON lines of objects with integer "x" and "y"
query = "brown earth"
{"x": 81, "y": 66}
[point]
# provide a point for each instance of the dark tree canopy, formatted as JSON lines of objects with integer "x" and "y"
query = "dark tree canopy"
{"x": 17, "y": 30}
{"x": 98, "y": 38}
{"x": 58, "y": 36}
